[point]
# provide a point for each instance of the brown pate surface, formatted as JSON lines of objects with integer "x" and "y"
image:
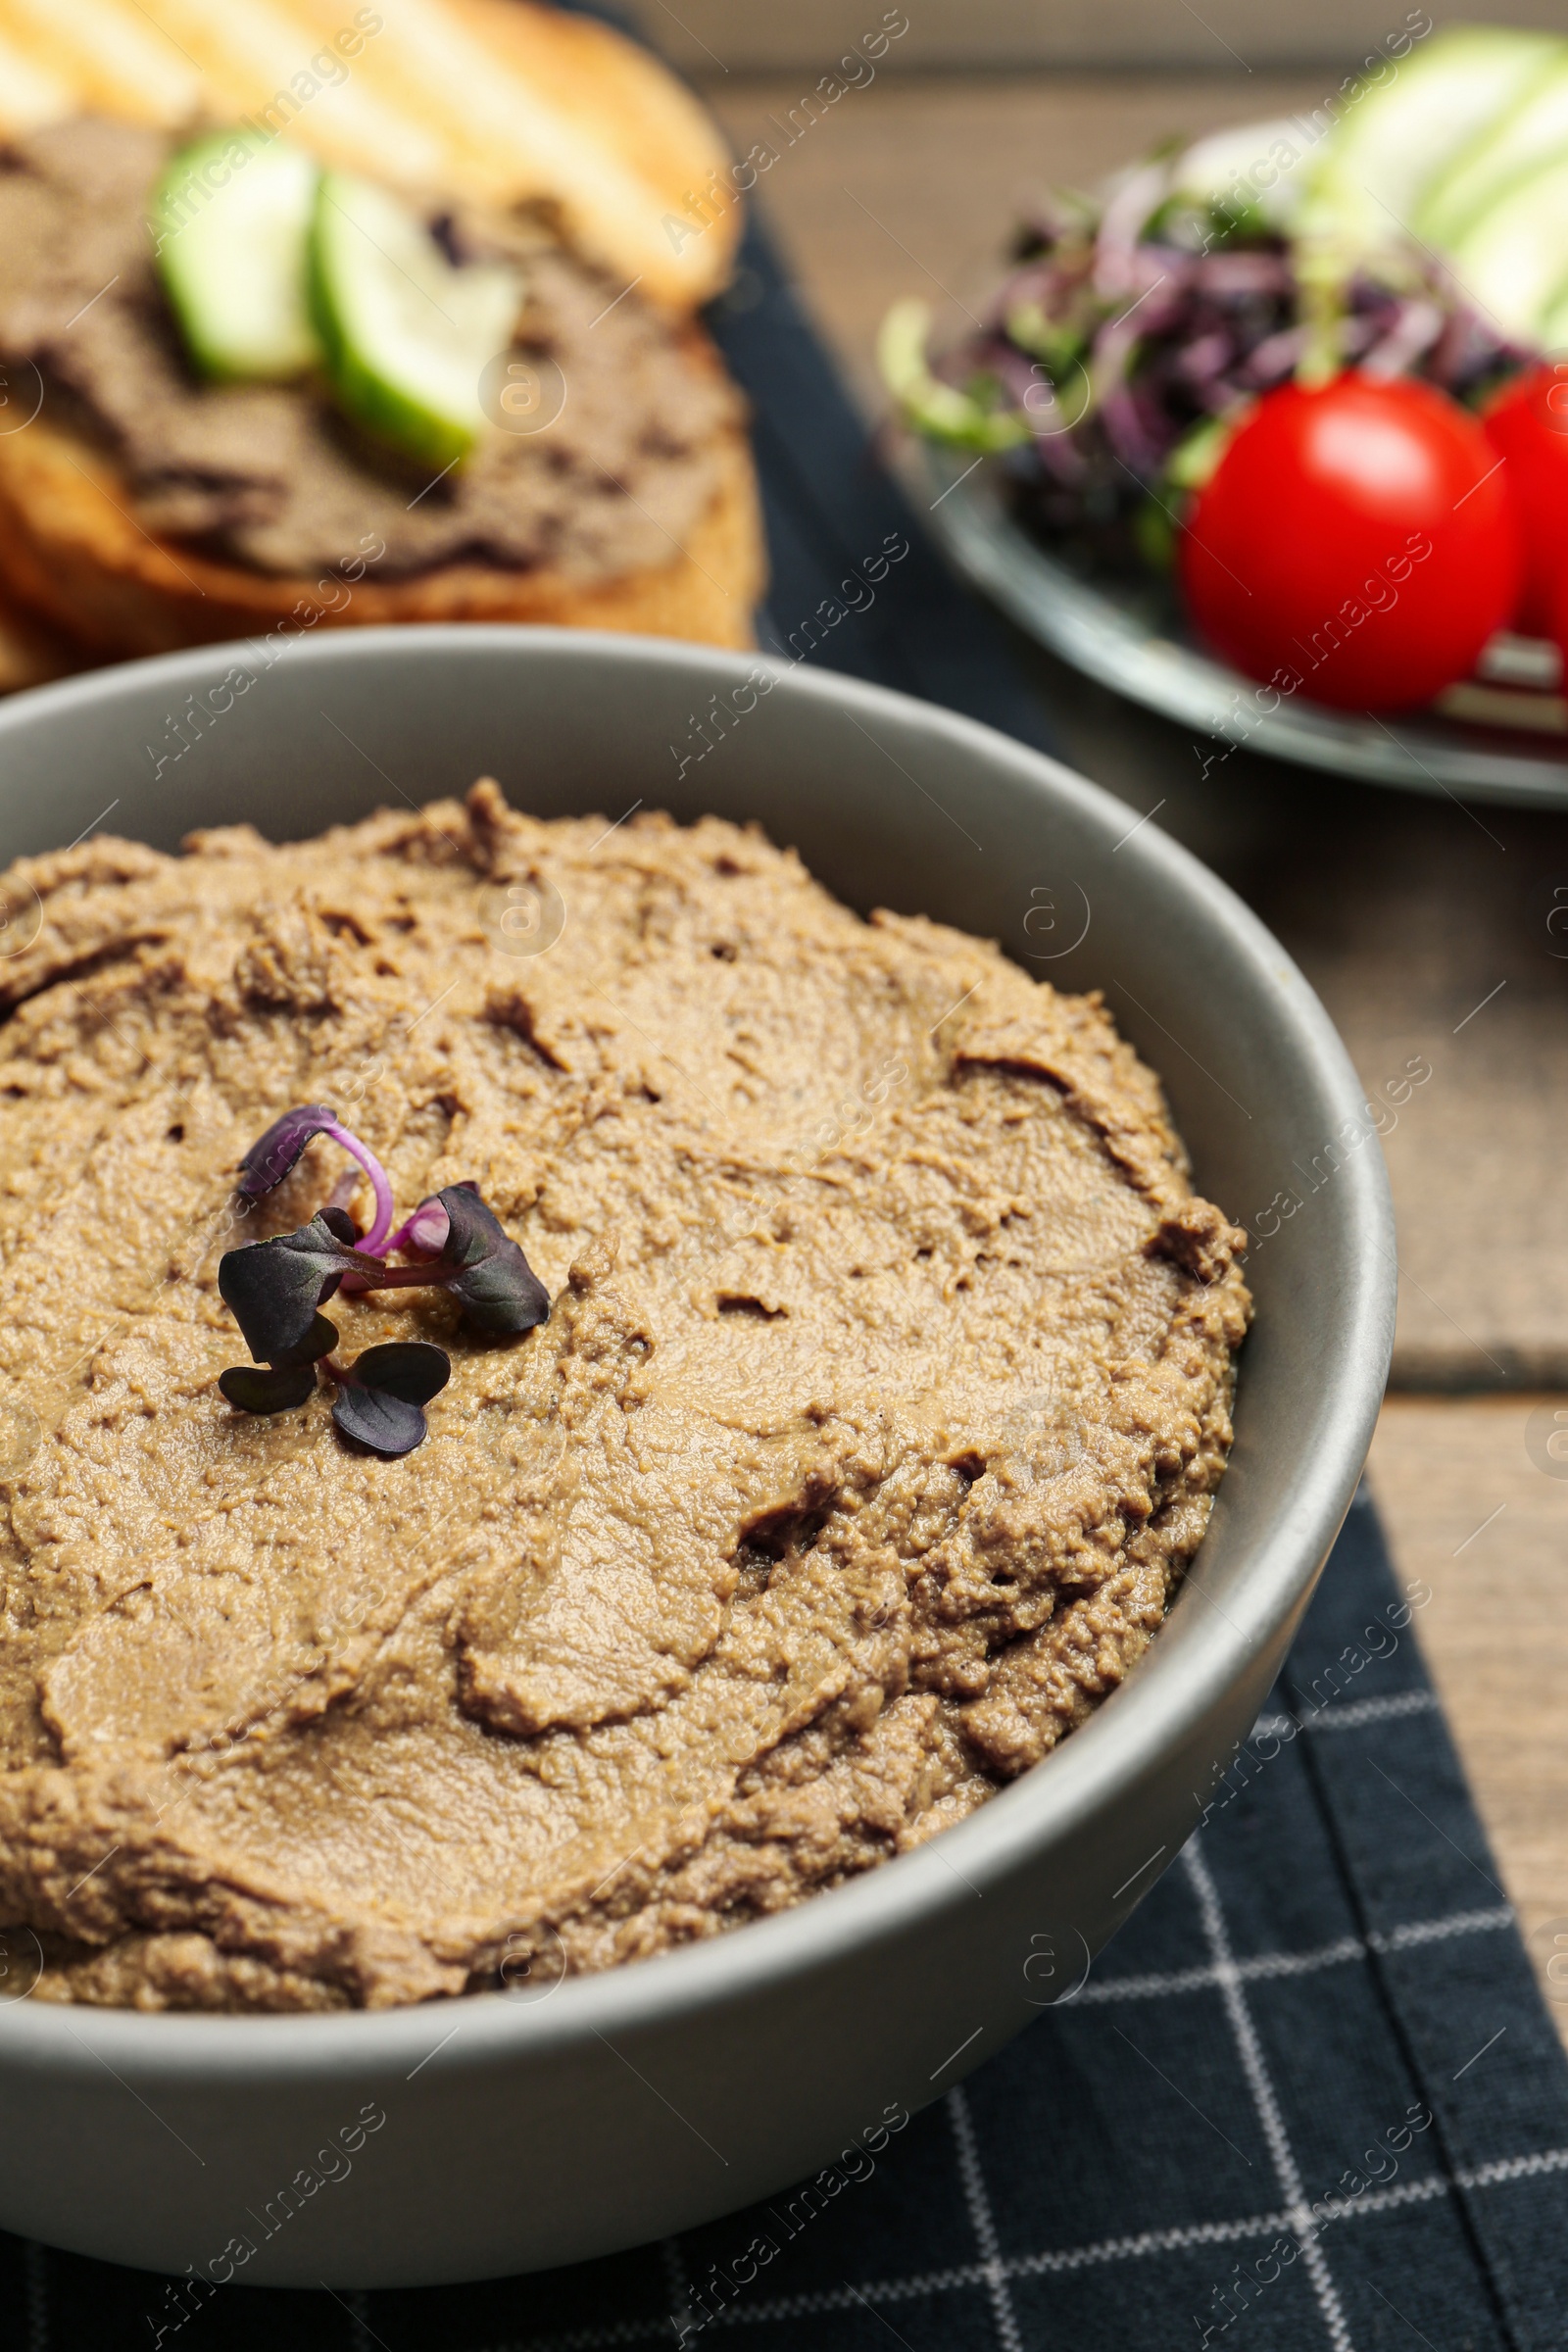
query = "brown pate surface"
{"x": 882, "y": 1400}
{"x": 272, "y": 476}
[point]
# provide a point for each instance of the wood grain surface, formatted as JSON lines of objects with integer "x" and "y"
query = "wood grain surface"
{"x": 1422, "y": 923}
{"x": 1475, "y": 1503}
{"x": 1237, "y": 36}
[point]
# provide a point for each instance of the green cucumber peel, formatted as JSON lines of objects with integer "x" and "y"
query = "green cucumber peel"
{"x": 1196, "y": 454}
{"x": 229, "y": 220}
{"x": 941, "y": 412}
{"x": 1054, "y": 345}
{"x": 405, "y": 336}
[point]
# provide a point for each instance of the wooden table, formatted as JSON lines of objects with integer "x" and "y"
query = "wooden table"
{"x": 1406, "y": 913}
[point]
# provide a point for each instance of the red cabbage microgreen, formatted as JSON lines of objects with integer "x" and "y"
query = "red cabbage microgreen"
{"x": 267, "y": 1388}
{"x": 1131, "y": 328}
{"x": 269, "y": 1160}
{"x": 381, "y": 1394}
{"x": 426, "y": 1230}
{"x": 480, "y": 1264}
{"x": 275, "y": 1289}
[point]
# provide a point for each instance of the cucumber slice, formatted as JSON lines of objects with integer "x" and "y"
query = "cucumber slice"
{"x": 1513, "y": 264}
{"x": 229, "y": 219}
{"x": 1554, "y": 324}
{"x": 1529, "y": 134}
{"x": 1392, "y": 142}
{"x": 406, "y": 335}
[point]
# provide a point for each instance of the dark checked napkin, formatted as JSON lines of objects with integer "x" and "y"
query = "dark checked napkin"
{"x": 1309, "y": 2099}
{"x": 840, "y": 594}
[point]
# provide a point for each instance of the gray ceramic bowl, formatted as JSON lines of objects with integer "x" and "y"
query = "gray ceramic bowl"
{"x": 520, "y": 2134}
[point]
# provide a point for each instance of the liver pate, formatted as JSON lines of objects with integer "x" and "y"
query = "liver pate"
{"x": 881, "y": 1402}
{"x": 271, "y": 477}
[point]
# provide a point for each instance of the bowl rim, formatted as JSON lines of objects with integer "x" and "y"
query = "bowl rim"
{"x": 1167, "y": 1697}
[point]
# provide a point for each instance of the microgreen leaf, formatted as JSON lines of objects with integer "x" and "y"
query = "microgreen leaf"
{"x": 318, "y": 1341}
{"x": 379, "y": 1395}
{"x": 267, "y": 1388}
{"x": 412, "y": 1369}
{"x": 270, "y": 1159}
{"x": 484, "y": 1268}
{"x": 272, "y": 1288}
{"x": 386, "y": 1424}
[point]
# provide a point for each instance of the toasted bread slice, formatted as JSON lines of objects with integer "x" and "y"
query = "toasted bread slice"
{"x": 31, "y": 654}
{"x": 498, "y": 100}
{"x": 72, "y": 554}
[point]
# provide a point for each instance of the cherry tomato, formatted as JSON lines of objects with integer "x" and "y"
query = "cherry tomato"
{"x": 1355, "y": 543}
{"x": 1528, "y": 426}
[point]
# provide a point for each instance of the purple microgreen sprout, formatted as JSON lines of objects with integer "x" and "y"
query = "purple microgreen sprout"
{"x": 267, "y": 1388}
{"x": 381, "y": 1394}
{"x": 494, "y": 1283}
{"x": 269, "y": 1160}
{"x": 288, "y": 1380}
{"x": 425, "y": 1232}
{"x": 318, "y": 1341}
{"x": 274, "y": 1289}
{"x": 480, "y": 1264}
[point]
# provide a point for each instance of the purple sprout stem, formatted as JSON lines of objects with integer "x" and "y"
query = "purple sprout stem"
{"x": 375, "y": 1241}
{"x": 435, "y": 1270}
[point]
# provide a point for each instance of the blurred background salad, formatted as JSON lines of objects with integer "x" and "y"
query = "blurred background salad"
{"x": 1275, "y": 360}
